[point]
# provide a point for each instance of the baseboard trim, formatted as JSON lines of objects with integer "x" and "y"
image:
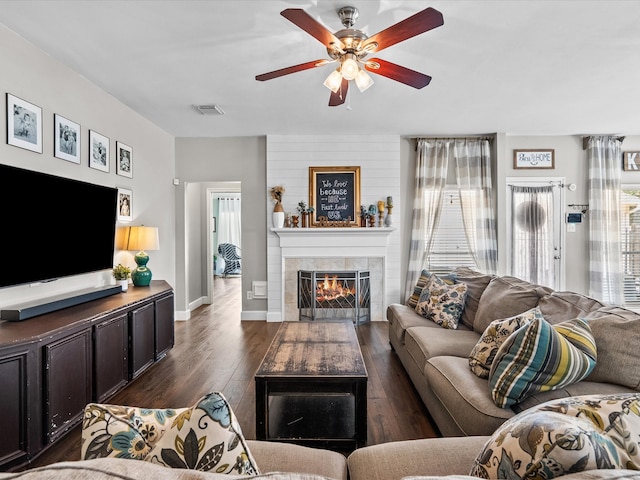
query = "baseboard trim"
{"x": 253, "y": 315}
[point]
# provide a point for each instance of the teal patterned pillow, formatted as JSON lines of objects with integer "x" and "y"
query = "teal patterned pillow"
{"x": 442, "y": 302}
{"x": 564, "y": 436}
{"x": 205, "y": 437}
{"x": 484, "y": 352}
{"x": 540, "y": 357}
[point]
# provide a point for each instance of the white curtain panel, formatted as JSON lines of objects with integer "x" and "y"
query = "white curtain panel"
{"x": 229, "y": 221}
{"x": 604, "y": 154}
{"x": 473, "y": 175}
{"x": 430, "y": 181}
{"x": 532, "y": 234}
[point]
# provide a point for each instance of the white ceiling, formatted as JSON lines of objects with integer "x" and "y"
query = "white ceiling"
{"x": 518, "y": 67}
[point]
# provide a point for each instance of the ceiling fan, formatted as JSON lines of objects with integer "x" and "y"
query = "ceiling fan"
{"x": 351, "y": 46}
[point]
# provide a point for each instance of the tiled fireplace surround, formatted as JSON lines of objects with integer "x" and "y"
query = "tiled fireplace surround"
{"x": 374, "y": 249}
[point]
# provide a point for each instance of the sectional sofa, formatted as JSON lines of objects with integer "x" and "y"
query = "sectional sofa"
{"x": 437, "y": 359}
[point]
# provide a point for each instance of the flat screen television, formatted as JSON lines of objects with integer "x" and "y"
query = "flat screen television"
{"x": 54, "y": 227}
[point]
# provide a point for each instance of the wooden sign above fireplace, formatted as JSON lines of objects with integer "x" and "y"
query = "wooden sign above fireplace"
{"x": 334, "y": 193}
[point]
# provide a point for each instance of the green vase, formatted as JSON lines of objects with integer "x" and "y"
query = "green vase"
{"x": 141, "y": 276}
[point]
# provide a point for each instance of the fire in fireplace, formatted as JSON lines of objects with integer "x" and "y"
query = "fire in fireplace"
{"x": 337, "y": 295}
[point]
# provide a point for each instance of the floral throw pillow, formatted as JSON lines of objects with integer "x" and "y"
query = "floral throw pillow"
{"x": 559, "y": 437}
{"x": 425, "y": 275}
{"x": 205, "y": 437}
{"x": 442, "y": 302}
{"x": 482, "y": 355}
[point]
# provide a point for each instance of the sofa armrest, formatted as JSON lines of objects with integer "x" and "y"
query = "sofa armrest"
{"x": 288, "y": 457}
{"x": 430, "y": 456}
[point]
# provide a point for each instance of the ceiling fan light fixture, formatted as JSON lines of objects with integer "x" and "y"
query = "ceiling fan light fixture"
{"x": 349, "y": 67}
{"x": 363, "y": 80}
{"x": 333, "y": 81}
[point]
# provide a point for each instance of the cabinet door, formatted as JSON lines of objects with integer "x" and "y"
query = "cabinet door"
{"x": 164, "y": 326}
{"x": 68, "y": 382}
{"x": 14, "y": 405}
{"x": 142, "y": 332}
{"x": 110, "y": 347}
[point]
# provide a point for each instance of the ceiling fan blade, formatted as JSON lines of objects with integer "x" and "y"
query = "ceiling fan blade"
{"x": 292, "y": 69}
{"x": 307, "y": 23}
{"x": 421, "y": 22}
{"x": 340, "y": 95}
{"x": 396, "y": 72}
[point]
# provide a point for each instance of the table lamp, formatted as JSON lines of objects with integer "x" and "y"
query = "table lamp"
{"x": 142, "y": 238}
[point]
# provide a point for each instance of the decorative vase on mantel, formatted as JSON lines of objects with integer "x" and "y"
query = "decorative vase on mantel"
{"x": 278, "y": 215}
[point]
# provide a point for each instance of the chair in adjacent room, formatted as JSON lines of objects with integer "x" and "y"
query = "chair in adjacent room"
{"x": 232, "y": 259}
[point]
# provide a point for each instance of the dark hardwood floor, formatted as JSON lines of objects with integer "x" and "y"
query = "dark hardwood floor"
{"x": 215, "y": 351}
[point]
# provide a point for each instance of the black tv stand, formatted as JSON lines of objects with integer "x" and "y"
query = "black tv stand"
{"x": 23, "y": 311}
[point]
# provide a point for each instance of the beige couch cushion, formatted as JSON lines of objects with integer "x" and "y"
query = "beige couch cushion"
{"x": 402, "y": 317}
{"x": 617, "y": 334}
{"x": 124, "y": 469}
{"x": 430, "y": 456}
{"x": 505, "y": 297}
{"x": 288, "y": 457}
{"x": 562, "y": 306}
{"x": 476, "y": 283}
{"x": 464, "y": 395}
{"x": 574, "y": 390}
{"x": 423, "y": 343}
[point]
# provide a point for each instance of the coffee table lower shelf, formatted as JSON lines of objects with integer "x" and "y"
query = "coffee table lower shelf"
{"x": 334, "y": 420}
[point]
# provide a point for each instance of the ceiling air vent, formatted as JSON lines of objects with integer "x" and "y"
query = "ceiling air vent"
{"x": 209, "y": 109}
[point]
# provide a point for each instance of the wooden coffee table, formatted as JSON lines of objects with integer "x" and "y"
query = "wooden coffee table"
{"x": 311, "y": 387}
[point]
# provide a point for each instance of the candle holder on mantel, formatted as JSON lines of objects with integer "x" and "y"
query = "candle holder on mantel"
{"x": 387, "y": 221}
{"x": 381, "y": 213}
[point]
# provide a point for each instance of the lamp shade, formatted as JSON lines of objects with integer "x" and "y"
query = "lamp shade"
{"x": 333, "y": 81}
{"x": 142, "y": 238}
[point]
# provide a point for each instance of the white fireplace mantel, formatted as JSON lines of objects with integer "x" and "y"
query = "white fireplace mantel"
{"x": 359, "y": 244}
{"x": 349, "y": 240}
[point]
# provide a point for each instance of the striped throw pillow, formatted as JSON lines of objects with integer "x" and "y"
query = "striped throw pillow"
{"x": 540, "y": 357}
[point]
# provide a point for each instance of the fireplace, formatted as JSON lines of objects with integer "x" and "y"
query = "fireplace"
{"x": 334, "y": 295}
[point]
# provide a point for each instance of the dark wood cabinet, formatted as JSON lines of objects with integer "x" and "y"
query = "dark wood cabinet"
{"x": 111, "y": 356}
{"x": 67, "y": 382}
{"x": 52, "y": 365}
{"x": 164, "y": 326}
{"x": 142, "y": 330}
{"x": 14, "y": 399}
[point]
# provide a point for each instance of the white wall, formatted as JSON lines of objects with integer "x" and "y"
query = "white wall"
{"x": 288, "y": 160}
{"x": 37, "y": 78}
{"x": 203, "y": 160}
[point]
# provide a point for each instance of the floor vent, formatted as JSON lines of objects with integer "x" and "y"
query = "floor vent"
{"x": 209, "y": 109}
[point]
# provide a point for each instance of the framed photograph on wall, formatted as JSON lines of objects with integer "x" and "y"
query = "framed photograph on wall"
{"x": 98, "y": 151}
{"x": 124, "y": 160}
{"x": 125, "y": 201}
{"x": 334, "y": 194}
{"x": 66, "y": 140}
{"x": 24, "y": 124}
{"x": 534, "y": 158}
{"x": 631, "y": 161}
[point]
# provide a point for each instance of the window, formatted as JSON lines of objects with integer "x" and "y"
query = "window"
{"x": 450, "y": 248}
{"x": 630, "y": 243}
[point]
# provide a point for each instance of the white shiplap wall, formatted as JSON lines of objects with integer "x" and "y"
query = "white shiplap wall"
{"x": 288, "y": 160}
